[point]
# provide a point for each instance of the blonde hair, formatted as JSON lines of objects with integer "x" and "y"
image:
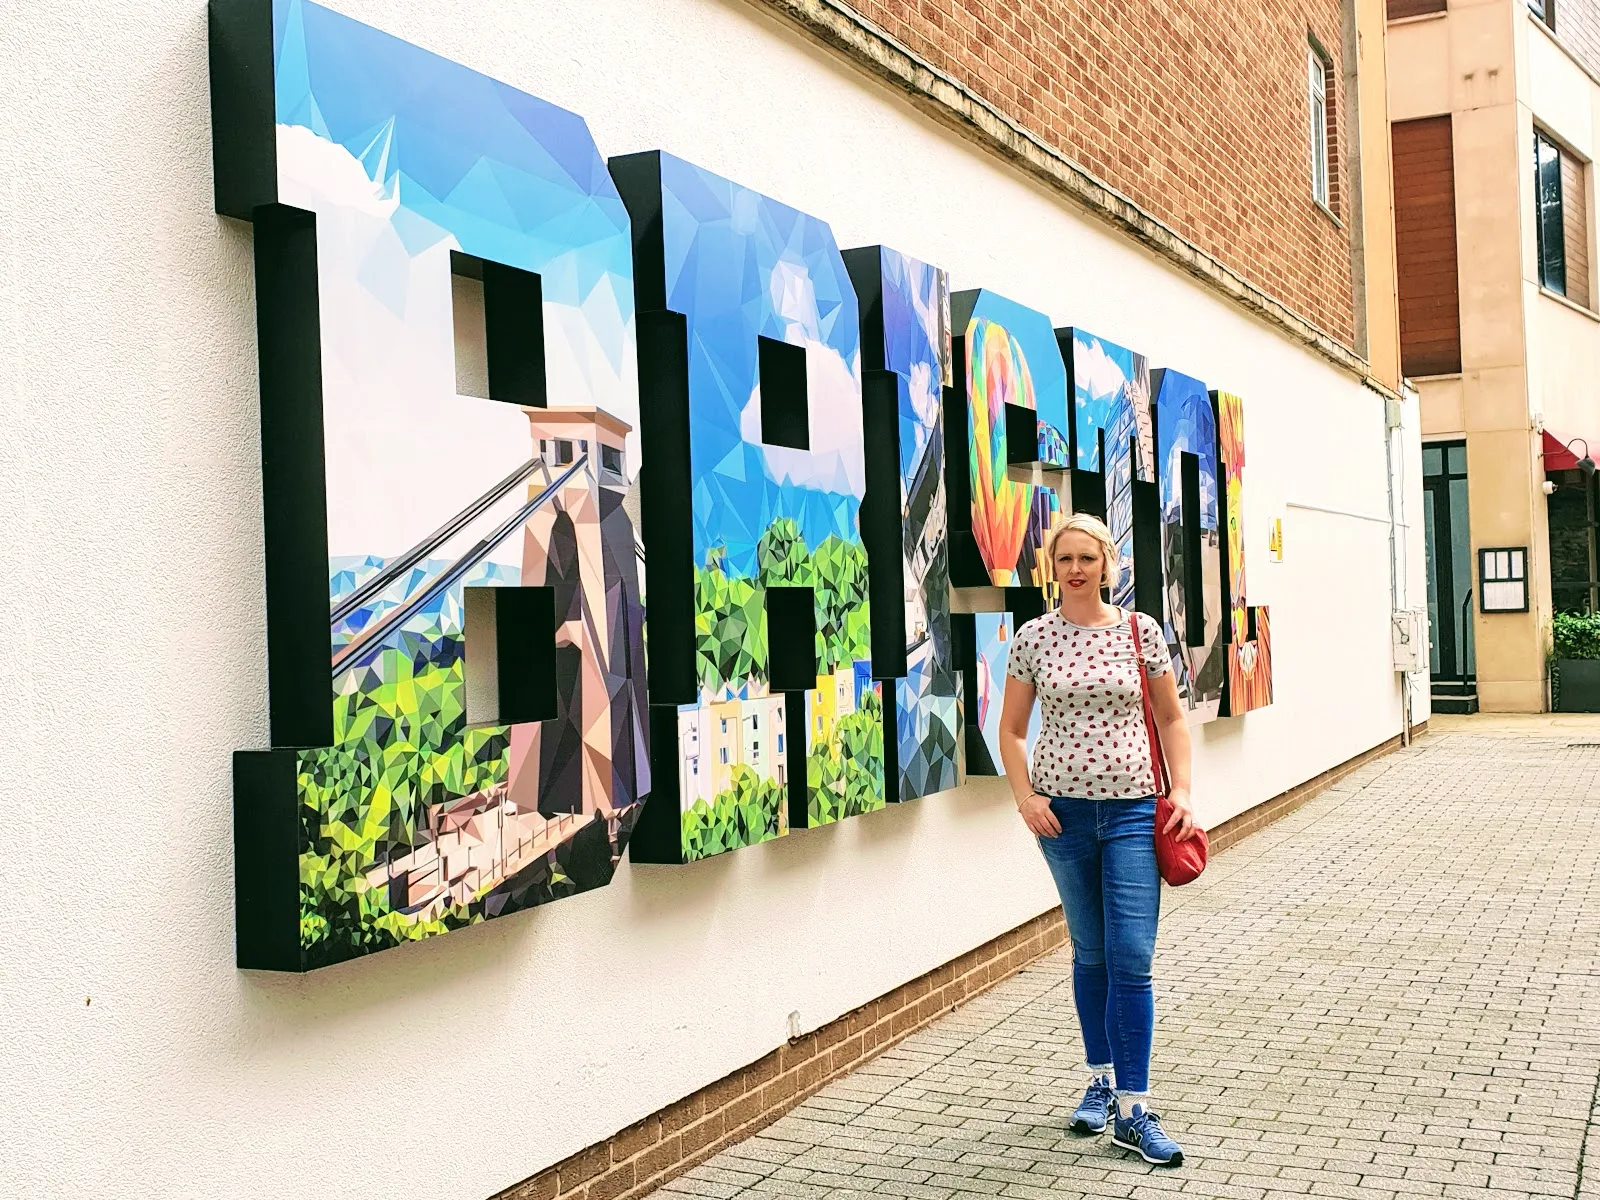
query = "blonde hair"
{"x": 1111, "y": 573}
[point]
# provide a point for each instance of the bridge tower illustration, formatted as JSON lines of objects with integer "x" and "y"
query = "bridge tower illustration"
{"x": 593, "y": 756}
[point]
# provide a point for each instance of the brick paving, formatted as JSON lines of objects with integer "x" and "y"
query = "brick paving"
{"x": 1394, "y": 991}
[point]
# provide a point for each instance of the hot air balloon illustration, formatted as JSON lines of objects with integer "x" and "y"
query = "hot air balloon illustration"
{"x": 997, "y": 375}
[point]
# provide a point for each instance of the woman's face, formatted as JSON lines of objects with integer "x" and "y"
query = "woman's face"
{"x": 1080, "y": 565}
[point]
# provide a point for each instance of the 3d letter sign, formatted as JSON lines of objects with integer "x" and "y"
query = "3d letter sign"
{"x": 472, "y": 330}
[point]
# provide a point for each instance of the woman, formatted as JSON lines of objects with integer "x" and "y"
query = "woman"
{"x": 1090, "y": 800}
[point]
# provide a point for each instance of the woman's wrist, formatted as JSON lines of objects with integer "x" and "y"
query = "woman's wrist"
{"x": 1024, "y": 798}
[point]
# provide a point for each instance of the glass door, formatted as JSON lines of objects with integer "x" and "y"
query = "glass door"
{"x": 1451, "y": 659}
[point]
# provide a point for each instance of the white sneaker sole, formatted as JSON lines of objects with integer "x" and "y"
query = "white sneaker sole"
{"x": 1085, "y": 1128}
{"x": 1175, "y": 1161}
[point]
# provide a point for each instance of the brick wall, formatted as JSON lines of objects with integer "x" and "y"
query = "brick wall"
{"x": 1577, "y": 25}
{"x": 1196, "y": 111}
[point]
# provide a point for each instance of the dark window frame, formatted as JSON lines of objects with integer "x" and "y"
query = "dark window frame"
{"x": 1549, "y": 218}
{"x": 1588, "y": 527}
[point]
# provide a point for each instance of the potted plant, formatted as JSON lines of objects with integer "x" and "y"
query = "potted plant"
{"x": 1575, "y": 662}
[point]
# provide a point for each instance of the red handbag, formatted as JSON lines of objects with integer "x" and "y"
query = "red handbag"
{"x": 1178, "y": 862}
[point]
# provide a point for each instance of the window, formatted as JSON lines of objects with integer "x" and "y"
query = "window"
{"x": 755, "y": 747}
{"x": 563, "y": 452}
{"x": 1545, "y": 10}
{"x": 611, "y": 459}
{"x": 1400, "y": 9}
{"x": 1561, "y": 219}
{"x": 780, "y": 743}
{"x": 1318, "y": 73}
{"x": 724, "y": 756}
{"x": 1425, "y": 246}
{"x": 724, "y": 724}
{"x": 755, "y": 721}
{"x": 1574, "y": 517}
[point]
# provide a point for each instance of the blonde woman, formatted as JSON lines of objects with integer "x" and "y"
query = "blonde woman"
{"x": 1089, "y": 798}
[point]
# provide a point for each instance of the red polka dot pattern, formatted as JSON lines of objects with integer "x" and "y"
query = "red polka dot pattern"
{"x": 1092, "y": 741}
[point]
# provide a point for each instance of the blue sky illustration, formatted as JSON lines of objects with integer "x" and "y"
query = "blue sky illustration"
{"x": 1185, "y": 424}
{"x": 515, "y": 179}
{"x": 996, "y": 634}
{"x": 740, "y": 264}
{"x": 1100, "y": 369}
{"x": 910, "y": 329}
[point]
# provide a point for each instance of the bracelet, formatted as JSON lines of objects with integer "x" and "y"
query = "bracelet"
{"x": 1029, "y": 796}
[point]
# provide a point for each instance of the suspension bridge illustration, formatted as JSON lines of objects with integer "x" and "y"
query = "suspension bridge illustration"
{"x": 573, "y": 783}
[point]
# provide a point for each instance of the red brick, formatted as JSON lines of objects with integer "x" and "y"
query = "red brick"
{"x": 1195, "y": 110}
{"x": 725, "y": 1090}
{"x": 612, "y": 1184}
{"x": 744, "y": 1110}
{"x": 584, "y": 1166}
{"x": 810, "y": 1074}
{"x": 542, "y": 1186}
{"x": 684, "y": 1112}
{"x": 635, "y": 1138}
{"x": 701, "y": 1133}
{"x": 661, "y": 1157}
{"x": 764, "y": 1070}
{"x": 781, "y": 1089}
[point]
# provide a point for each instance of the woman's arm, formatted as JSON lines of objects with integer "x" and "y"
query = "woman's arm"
{"x": 1173, "y": 727}
{"x": 1014, "y": 714}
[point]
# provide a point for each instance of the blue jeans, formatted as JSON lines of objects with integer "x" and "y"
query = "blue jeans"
{"x": 1104, "y": 865}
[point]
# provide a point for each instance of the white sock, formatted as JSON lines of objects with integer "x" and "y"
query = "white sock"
{"x": 1126, "y": 1101}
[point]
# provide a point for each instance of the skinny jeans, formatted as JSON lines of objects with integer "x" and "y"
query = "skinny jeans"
{"x": 1104, "y": 865}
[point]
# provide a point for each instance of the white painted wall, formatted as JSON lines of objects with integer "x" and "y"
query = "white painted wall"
{"x": 135, "y": 1061}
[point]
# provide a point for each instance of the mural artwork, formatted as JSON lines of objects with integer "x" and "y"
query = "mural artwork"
{"x": 769, "y": 365}
{"x": 1113, "y": 434}
{"x": 386, "y": 220}
{"x": 995, "y": 633}
{"x": 905, "y": 316}
{"x": 1249, "y": 678}
{"x": 1009, "y": 367}
{"x": 1186, "y": 453}
{"x": 471, "y": 326}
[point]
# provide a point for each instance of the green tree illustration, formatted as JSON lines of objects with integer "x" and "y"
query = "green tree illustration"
{"x": 748, "y": 812}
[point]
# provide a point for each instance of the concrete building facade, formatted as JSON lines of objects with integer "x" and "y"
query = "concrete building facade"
{"x": 1494, "y": 109}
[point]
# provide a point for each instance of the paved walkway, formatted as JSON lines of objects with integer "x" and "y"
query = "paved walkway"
{"x": 1393, "y": 991}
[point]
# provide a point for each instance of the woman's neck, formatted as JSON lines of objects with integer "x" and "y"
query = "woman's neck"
{"x": 1081, "y": 609}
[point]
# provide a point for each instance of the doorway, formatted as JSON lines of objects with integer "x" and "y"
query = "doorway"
{"x": 1452, "y": 662}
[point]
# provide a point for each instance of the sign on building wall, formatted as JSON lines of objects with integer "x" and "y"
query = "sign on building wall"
{"x": 515, "y": 397}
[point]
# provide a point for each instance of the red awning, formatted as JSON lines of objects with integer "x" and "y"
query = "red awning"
{"x": 1556, "y": 456}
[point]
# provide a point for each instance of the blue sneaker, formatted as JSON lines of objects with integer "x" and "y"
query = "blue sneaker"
{"x": 1095, "y": 1110}
{"x": 1142, "y": 1131}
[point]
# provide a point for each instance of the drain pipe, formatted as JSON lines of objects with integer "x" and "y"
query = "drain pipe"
{"x": 1393, "y": 422}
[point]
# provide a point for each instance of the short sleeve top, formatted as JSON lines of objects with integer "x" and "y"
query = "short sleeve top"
{"x": 1092, "y": 742}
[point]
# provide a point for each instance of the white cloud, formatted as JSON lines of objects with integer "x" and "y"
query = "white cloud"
{"x": 1097, "y": 372}
{"x": 836, "y": 461}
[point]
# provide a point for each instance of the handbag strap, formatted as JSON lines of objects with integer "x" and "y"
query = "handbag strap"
{"x": 1158, "y": 760}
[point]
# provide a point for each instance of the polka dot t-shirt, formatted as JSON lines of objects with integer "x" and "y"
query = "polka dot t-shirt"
{"x": 1092, "y": 742}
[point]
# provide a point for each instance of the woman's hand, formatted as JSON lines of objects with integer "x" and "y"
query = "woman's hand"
{"x": 1036, "y": 815}
{"x": 1182, "y": 818}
